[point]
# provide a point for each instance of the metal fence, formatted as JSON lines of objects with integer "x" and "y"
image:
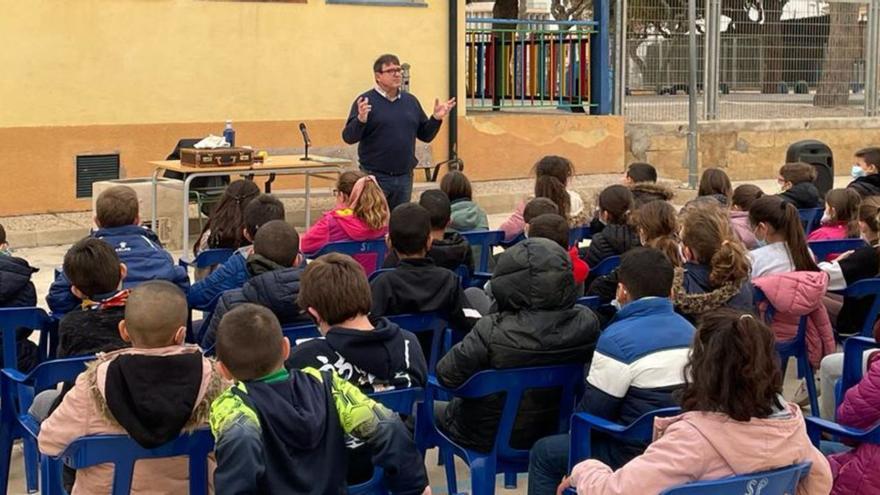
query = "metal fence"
{"x": 529, "y": 64}
{"x": 769, "y": 59}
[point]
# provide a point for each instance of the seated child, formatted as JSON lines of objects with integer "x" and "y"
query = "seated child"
{"x": 797, "y": 183}
{"x": 374, "y": 355}
{"x": 866, "y": 173}
{"x": 841, "y": 218}
{"x": 618, "y": 236}
{"x": 280, "y": 431}
{"x": 716, "y": 273}
{"x": 782, "y": 246}
{"x": 275, "y": 277}
{"x": 118, "y": 221}
{"x": 537, "y": 324}
{"x": 715, "y": 183}
{"x": 734, "y": 422}
{"x": 234, "y": 273}
{"x": 641, "y": 179}
{"x": 554, "y": 227}
{"x": 417, "y": 285}
{"x": 743, "y": 197}
{"x": 151, "y": 391}
{"x": 448, "y": 248}
{"x": 225, "y": 225}
{"x": 361, "y": 214}
{"x": 96, "y": 276}
{"x": 637, "y": 367}
{"x": 17, "y": 291}
{"x": 466, "y": 214}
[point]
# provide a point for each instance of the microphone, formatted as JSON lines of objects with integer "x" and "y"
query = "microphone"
{"x": 306, "y": 140}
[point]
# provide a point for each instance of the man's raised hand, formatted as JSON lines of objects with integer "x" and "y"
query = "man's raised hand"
{"x": 441, "y": 110}
{"x": 364, "y": 107}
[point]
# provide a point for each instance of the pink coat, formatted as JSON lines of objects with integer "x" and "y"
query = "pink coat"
{"x": 739, "y": 220}
{"x": 855, "y": 472}
{"x": 796, "y": 294}
{"x": 830, "y": 232}
{"x": 84, "y": 412}
{"x": 706, "y": 446}
{"x": 341, "y": 224}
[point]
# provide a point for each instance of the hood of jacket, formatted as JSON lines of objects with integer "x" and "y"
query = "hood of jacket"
{"x": 380, "y": 352}
{"x": 258, "y": 265}
{"x": 466, "y": 215}
{"x": 15, "y": 275}
{"x": 645, "y": 192}
{"x": 868, "y": 183}
{"x": 803, "y": 195}
{"x": 355, "y": 228}
{"x": 293, "y": 412}
{"x": 276, "y": 290}
{"x": 694, "y": 294}
{"x": 154, "y": 394}
{"x": 746, "y": 447}
{"x": 451, "y": 251}
{"x": 795, "y": 293}
{"x": 535, "y": 274}
{"x": 127, "y": 230}
{"x": 620, "y": 237}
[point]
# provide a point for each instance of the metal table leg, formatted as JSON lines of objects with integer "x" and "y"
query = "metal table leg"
{"x": 186, "y": 185}
{"x": 153, "y": 213}
{"x": 308, "y": 201}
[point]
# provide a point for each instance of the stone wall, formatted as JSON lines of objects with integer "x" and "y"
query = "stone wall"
{"x": 746, "y": 150}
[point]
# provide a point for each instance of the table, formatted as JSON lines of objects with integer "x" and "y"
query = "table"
{"x": 272, "y": 166}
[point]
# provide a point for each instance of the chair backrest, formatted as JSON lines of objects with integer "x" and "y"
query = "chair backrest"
{"x": 183, "y": 143}
{"x": 209, "y": 257}
{"x": 605, "y": 266}
{"x": 782, "y": 481}
{"x": 352, "y": 248}
{"x": 296, "y": 333}
{"x": 122, "y": 451}
{"x": 34, "y": 318}
{"x": 401, "y": 400}
{"x": 487, "y": 240}
{"x": 516, "y": 381}
{"x": 823, "y": 249}
{"x": 433, "y": 323}
{"x": 516, "y": 240}
{"x": 578, "y": 234}
{"x": 810, "y": 218}
{"x": 640, "y": 430}
{"x": 864, "y": 288}
{"x": 853, "y": 351}
{"x": 592, "y": 302}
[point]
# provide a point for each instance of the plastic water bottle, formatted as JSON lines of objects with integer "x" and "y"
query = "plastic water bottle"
{"x": 229, "y": 133}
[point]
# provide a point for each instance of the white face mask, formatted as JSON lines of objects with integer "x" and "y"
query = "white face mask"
{"x": 826, "y": 218}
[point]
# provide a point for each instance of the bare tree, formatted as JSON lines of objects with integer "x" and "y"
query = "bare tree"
{"x": 567, "y": 10}
{"x": 840, "y": 53}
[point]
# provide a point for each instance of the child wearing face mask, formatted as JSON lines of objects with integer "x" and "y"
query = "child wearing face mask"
{"x": 796, "y": 181}
{"x": 866, "y": 179}
{"x": 841, "y": 218}
{"x": 782, "y": 247}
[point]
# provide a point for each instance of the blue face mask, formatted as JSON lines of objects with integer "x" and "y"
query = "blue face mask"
{"x": 857, "y": 172}
{"x": 760, "y": 242}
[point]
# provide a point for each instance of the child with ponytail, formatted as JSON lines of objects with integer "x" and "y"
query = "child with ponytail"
{"x": 361, "y": 214}
{"x": 841, "y": 219}
{"x": 716, "y": 273}
{"x": 618, "y": 236}
{"x": 782, "y": 247}
{"x": 552, "y": 177}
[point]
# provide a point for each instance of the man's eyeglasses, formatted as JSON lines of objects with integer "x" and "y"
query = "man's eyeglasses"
{"x": 395, "y": 71}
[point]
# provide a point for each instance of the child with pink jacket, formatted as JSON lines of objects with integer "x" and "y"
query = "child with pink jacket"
{"x": 735, "y": 420}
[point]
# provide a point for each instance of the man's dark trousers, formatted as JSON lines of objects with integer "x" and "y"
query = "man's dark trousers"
{"x": 397, "y": 188}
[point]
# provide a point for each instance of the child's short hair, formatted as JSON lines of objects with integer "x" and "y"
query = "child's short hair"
{"x": 641, "y": 172}
{"x": 154, "y": 312}
{"x": 409, "y": 228}
{"x": 537, "y": 207}
{"x": 116, "y": 206}
{"x": 645, "y": 272}
{"x": 336, "y": 286}
{"x": 263, "y": 209}
{"x": 438, "y": 206}
{"x": 2, "y": 234}
{"x": 870, "y": 155}
{"x": 550, "y": 226}
{"x": 797, "y": 172}
{"x": 92, "y": 266}
{"x": 617, "y": 200}
{"x": 745, "y": 195}
{"x": 249, "y": 342}
{"x": 456, "y": 185}
{"x": 277, "y": 241}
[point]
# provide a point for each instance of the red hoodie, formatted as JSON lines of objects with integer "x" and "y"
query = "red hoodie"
{"x": 342, "y": 224}
{"x": 578, "y": 266}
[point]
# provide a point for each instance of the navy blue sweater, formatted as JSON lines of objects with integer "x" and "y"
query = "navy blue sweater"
{"x": 387, "y": 142}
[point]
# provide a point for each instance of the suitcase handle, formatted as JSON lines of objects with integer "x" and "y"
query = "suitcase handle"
{"x": 225, "y": 160}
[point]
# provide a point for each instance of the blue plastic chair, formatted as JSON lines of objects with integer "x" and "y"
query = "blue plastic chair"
{"x": 578, "y": 234}
{"x": 583, "y": 424}
{"x": 592, "y": 302}
{"x": 33, "y": 318}
{"x": 865, "y": 288}
{"x": 486, "y": 240}
{"x": 810, "y": 218}
{"x": 794, "y": 348}
{"x": 823, "y": 249}
{"x": 605, "y": 266}
{"x": 207, "y": 258}
{"x": 853, "y": 351}
{"x": 513, "y": 383}
{"x": 432, "y": 323}
{"x": 351, "y": 248}
{"x": 122, "y": 451}
{"x": 782, "y": 481}
{"x": 17, "y": 391}
{"x": 296, "y": 333}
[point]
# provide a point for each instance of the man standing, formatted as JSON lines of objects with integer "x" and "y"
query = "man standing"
{"x": 385, "y": 123}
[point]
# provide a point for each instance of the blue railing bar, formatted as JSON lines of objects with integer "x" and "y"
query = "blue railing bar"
{"x": 476, "y": 20}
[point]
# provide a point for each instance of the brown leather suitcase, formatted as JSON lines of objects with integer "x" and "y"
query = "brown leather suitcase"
{"x": 216, "y": 157}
